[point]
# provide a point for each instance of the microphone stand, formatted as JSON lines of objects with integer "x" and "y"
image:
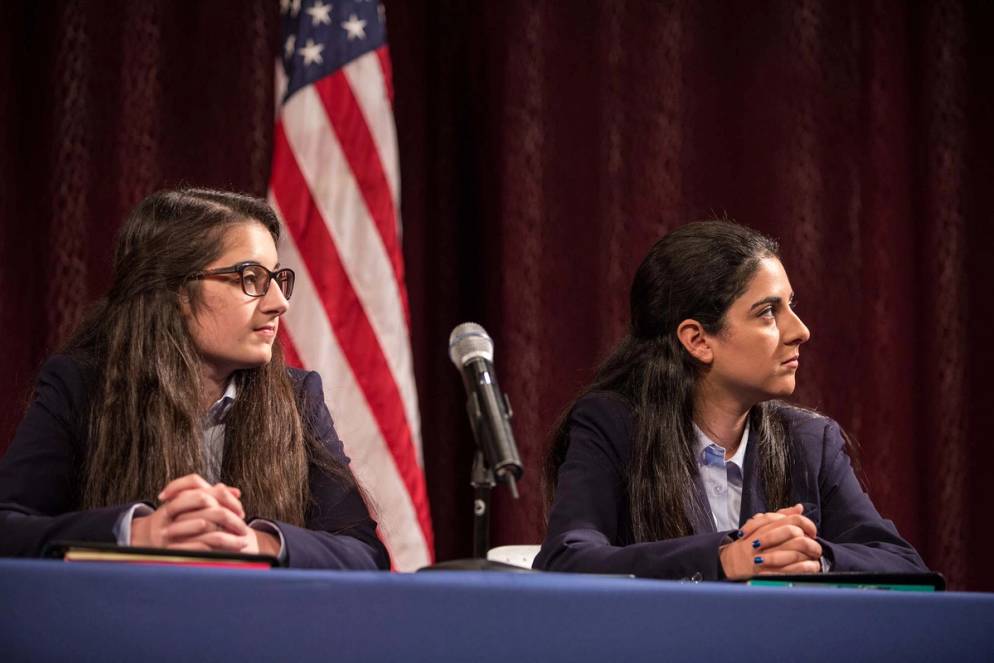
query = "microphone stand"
{"x": 483, "y": 481}
{"x": 489, "y": 412}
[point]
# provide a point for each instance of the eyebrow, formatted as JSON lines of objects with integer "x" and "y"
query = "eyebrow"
{"x": 770, "y": 300}
{"x": 261, "y": 264}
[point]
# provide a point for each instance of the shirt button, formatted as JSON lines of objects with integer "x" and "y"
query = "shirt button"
{"x": 719, "y": 489}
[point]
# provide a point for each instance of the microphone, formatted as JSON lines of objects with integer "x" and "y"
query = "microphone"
{"x": 472, "y": 351}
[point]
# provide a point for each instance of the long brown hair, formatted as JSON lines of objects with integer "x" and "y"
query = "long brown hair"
{"x": 696, "y": 272}
{"x": 146, "y": 415}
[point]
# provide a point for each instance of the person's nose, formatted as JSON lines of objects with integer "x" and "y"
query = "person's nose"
{"x": 797, "y": 332}
{"x": 274, "y": 301}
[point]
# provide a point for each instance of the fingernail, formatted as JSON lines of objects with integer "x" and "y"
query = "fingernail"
{"x": 756, "y": 544}
{"x": 738, "y": 534}
{"x": 758, "y": 559}
{"x": 160, "y": 495}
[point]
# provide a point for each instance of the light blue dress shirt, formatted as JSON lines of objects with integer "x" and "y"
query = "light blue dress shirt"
{"x": 722, "y": 478}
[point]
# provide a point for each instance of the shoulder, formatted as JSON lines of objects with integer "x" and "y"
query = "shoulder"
{"x": 307, "y": 385}
{"x": 304, "y": 380}
{"x": 72, "y": 376}
{"x": 604, "y": 420}
{"x": 803, "y": 421}
{"x": 812, "y": 431}
{"x": 63, "y": 389}
{"x": 309, "y": 390}
{"x": 65, "y": 368}
{"x": 603, "y": 407}
{"x": 314, "y": 411}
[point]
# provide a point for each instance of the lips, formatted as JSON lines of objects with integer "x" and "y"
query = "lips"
{"x": 793, "y": 361}
{"x": 266, "y": 329}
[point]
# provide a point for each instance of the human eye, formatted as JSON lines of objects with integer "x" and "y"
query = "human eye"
{"x": 767, "y": 311}
{"x": 252, "y": 278}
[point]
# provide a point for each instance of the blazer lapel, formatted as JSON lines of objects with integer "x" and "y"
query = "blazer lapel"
{"x": 699, "y": 513}
{"x": 753, "y": 494}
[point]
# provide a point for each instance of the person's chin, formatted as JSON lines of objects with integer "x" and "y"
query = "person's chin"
{"x": 782, "y": 388}
{"x": 786, "y": 388}
{"x": 259, "y": 357}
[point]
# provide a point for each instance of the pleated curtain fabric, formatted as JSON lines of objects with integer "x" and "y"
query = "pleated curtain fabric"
{"x": 544, "y": 146}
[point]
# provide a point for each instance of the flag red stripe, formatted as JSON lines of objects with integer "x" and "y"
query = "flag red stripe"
{"x": 346, "y": 118}
{"x": 292, "y": 358}
{"x": 383, "y": 55}
{"x": 348, "y": 319}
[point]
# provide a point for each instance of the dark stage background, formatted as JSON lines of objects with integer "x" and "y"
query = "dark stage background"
{"x": 544, "y": 146}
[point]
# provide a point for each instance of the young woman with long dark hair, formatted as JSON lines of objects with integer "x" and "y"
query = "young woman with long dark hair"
{"x": 170, "y": 419}
{"x": 678, "y": 462}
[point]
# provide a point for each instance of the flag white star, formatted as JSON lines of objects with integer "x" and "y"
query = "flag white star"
{"x": 355, "y": 28}
{"x": 294, "y": 7}
{"x": 311, "y": 52}
{"x": 291, "y": 43}
{"x": 320, "y": 13}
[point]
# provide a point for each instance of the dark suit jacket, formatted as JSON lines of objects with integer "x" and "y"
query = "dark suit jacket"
{"x": 590, "y": 524}
{"x": 41, "y": 479}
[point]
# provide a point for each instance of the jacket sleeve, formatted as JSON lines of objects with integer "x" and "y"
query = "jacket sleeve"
{"x": 590, "y": 512}
{"x": 853, "y": 535}
{"x": 40, "y": 473}
{"x": 339, "y": 532}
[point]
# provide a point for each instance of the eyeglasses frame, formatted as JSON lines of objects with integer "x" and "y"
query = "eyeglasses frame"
{"x": 239, "y": 268}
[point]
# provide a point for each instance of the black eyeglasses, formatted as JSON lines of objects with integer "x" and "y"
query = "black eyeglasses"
{"x": 255, "y": 278}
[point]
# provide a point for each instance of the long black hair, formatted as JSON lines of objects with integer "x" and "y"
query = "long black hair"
{"x": 694, "y": 272}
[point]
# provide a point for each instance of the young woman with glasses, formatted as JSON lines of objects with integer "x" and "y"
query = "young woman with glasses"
{"x": 170, "y": 419}
{"x": 678, "y": 462}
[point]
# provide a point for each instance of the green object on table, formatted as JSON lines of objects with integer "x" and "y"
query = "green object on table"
{"x": 841, "y": 585}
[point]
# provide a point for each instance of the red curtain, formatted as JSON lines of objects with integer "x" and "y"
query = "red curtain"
{"x": 544, "y": 146}
{"x": 101, "y": 104}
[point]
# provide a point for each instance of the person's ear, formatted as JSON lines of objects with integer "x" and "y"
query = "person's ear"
{"x": 695, "y": 341}
{"x": 185, "y": 307}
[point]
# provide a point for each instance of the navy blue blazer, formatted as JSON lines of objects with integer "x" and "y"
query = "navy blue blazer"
{"x": 590, "y": 524}
{"x": 41, "y": 480}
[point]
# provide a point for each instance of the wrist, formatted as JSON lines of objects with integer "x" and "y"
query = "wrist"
{"x": 736, "y": 560}
{"x": 267, "y": 543}
{"x": 139, "y": 532}
{"x": 724, "y": 561}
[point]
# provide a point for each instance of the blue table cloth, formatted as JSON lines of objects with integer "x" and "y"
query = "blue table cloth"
{"x": 53, "y": 610}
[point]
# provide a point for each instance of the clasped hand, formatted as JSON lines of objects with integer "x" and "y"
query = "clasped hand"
{"x": 779, "y": 542}
{"x": 194, "y": 515}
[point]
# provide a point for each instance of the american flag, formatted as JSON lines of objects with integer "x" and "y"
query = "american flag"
{"x": 336, "y": 185}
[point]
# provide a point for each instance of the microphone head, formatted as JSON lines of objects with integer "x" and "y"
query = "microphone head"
{"x": 468, "y": 341}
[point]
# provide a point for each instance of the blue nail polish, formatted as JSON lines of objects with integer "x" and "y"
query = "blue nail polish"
{"x": 738, "y": 534}
{"x": 756, "y": 543}
{"x": 758, "y": 560}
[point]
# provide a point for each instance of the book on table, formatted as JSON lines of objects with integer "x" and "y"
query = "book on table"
{"x": 81, "y": 551}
